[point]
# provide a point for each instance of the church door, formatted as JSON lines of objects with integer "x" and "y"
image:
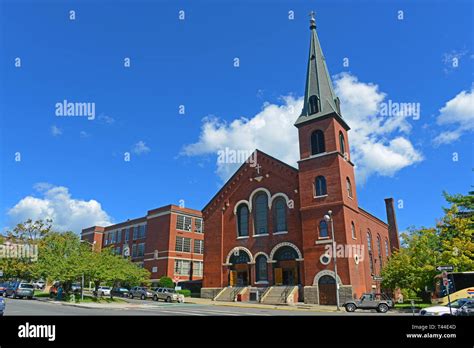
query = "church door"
{"x": 327, "y": 290}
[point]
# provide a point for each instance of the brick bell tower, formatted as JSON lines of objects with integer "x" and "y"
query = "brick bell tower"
{"x": 326, "y": 174}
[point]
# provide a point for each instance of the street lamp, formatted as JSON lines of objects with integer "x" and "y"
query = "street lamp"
{"x": 82, "y": 282}
{"x": 328, "y": 218}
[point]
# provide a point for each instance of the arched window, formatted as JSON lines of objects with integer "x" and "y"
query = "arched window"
{"x": 386, "y": 247}
{"x": 243, "y": 220}
{"x": 349, "y": 187}
{"x": 317, "y": 142}
{"x": 280, "y": 215}
{"x": 261, "y": 212}
{"x": 313, "y": 104}
{"x": 353, "y": 230}
{"x": 323, "y": 229}
{"x": 379, "y": 251}
{"x": 342, "y": 143}
{"x": 320, "y": 186}
{"x": 369, "y": 250}
{"x": 261, "y": 268}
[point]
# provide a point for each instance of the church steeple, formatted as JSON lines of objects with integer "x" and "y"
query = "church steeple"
{"x": 319, "y": 97}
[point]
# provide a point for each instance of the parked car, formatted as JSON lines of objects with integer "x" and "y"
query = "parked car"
{"x": 40, "y": 284}
{"x": 76, "y": 288}
{"x": 102, "y": 291}
{"x": 20, "y": 290}
{"x": 3, "y": 287}
{"x": 467, "y": 309}
{"x": 380, "y": 302}
{"x": 168, "y": 295}
{"x": 119, "y": 292}
{"x": 140, "y": 292}
{"x": 2, "y": 306}
{"x": 461, "y": 304}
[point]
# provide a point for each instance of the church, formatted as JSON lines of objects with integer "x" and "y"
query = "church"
{"x": 272, "y": 228}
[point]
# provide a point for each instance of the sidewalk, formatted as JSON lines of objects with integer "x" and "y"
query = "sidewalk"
{"x": 192, "y": 300}
{"x": 296, "y": 307}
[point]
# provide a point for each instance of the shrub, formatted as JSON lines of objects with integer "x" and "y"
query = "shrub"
{"x": 185, "y": 292}
{"x": 165, "y": 282}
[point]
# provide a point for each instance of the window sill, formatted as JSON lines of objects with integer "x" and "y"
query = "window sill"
{"x": 262, "y": 282}
{"x": 243, "y": 237}
{"x": 281, "y": 232}
{"x": 260, "y": 235}
{"x": 320, "y": 196}
{"x": 323, "y": 241}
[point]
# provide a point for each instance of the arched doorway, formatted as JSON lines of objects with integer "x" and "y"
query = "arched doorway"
{"x": 239, "y": 274}
{"x": 327, "y": 290}
{"x": 286, "y": 268}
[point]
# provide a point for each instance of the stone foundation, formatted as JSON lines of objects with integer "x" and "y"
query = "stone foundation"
{"x": 210, "y": 292}
{"x": 311, "y": 294}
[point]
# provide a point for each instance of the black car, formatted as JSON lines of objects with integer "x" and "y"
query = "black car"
{"x": 119, "y": 292}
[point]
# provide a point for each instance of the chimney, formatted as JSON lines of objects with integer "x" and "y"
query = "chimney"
{"x": 392, "y": 225}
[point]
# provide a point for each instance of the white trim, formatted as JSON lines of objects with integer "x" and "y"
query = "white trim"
{"x": 260, "y": 235}
{"x": 323, "y": 273}
{"x": 281, "y": 232}
{"x": 323, "y": 241}
{"x": 279, "y": 245}
{"x": 243, "y": 237}
{"x": 254, "y": 192}
{"x": 276, "y": 195}
{"x": 262, "y": 282}
{"x": 242, "y": 201}
{"x": 227, "y": 261}
{"x": 322, "y": 196}
{"x": 166, "y": 212}
{"x": 261, "y": 253}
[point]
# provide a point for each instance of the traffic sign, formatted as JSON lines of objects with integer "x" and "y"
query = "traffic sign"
{"x": 445, "y": 281}
{"x": 445, "y": 268}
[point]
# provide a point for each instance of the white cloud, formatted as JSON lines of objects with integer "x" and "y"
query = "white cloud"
{"x": 55, "y": 131}
{"x": 379, "y": 144}
{"x": 457, "y": 113}
{"x": 106, "y": 119}
{"x": 140, "y": 148}
{"x": 271, "y": 130}
{"x": 56, "y": 203}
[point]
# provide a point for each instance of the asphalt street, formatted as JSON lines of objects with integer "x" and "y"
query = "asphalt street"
{"x": 25, "y": 307}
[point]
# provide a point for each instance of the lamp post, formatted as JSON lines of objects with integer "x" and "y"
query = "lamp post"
{"x": 329, "y": 218}
{"x": 82, "y": 282}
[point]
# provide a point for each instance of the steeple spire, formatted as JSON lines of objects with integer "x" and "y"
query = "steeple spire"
{"x": 319, "y": 97}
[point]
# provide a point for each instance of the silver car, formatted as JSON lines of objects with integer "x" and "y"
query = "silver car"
{"x": 2, "y": 306}
{"x": 141, "y": 292}
{"x": 20, "y": 290}
{"x": 168, "y": 295}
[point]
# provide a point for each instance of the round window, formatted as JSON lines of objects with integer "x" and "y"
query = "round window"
{"x": 325, "y": 259}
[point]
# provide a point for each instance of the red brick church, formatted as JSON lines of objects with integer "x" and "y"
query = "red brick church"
{"x": 269, "y": 229}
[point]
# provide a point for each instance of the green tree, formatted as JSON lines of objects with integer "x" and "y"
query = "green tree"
{"x": 413, "y": 267}
{"x": 166, "y": 282}
{"x": 28, "y": 233}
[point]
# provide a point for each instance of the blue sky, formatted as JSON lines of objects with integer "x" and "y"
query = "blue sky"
{"x": 74, "y": 169}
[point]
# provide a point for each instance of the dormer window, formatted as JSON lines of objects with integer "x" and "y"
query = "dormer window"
{"x": 313, "y": 104}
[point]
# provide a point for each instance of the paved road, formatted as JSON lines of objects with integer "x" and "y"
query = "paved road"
{"x": 35, "y": 307}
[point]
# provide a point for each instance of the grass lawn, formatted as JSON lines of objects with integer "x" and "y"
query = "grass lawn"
{"x": 418, "y": 305}
{"x": 87, "y": 298}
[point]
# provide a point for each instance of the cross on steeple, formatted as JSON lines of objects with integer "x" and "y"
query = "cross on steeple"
{"x": 312, "y": 21}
